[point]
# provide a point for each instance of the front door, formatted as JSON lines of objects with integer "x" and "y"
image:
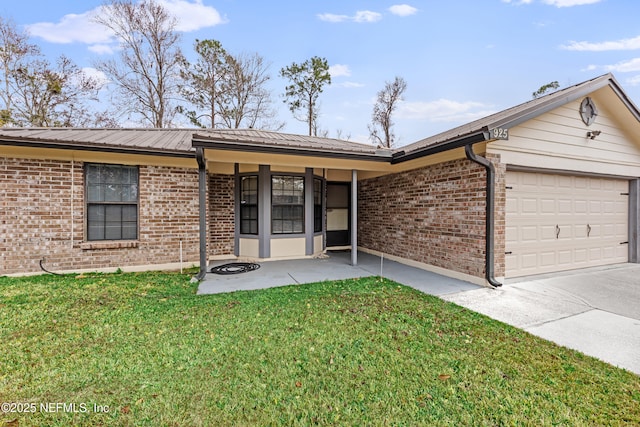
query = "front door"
{"x": 338, "y": 231}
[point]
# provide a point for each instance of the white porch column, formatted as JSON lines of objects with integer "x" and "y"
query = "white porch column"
{"x": 354, "y": 217}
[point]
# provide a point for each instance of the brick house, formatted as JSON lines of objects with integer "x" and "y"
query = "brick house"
{"x": 548, "y": 185}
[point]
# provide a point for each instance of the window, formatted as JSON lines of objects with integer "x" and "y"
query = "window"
{"x": 112, "y": 202}
{"x": 249, "y": 205}
{"x": 317, "y": 205}
{"x": 287, "y": 204}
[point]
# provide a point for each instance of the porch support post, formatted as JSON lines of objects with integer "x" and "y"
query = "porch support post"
{"x": 308, "y": 211}
{"x": 354, "y": 217}
{"x": 264, "y": 211}
{"x": 237, "y": 193}
{"x": 202, "y": 201}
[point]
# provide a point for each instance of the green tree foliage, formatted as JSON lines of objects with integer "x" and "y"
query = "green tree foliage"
{"x": 386, "y": 103}
{"x": 227, "y": 91}
{"x": 307, "y": 81}
{"x": 204, "y": 83}
{"x": 544, "y": 89}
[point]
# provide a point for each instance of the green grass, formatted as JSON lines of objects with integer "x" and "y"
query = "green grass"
{"x": 354, "y": 352}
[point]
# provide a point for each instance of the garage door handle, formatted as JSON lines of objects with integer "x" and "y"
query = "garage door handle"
{"x": 588, "y": 230}
{"x": 557, "y": 231}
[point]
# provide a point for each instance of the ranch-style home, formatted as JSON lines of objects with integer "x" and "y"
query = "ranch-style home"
{"x": 549, "y": 185}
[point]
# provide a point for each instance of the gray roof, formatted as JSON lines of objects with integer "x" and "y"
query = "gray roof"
{"x": 257, "y": 139}
{"x": 517, "y": 114}
{"x": 182, "y": 142}
{"x": 157, "y": 141}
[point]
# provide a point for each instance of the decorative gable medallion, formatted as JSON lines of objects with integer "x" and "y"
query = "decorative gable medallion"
{"x": 588, "y": 111}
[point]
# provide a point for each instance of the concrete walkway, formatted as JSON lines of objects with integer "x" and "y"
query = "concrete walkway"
{"x": 335, "y": 266}
{"x": 595, "y": 311}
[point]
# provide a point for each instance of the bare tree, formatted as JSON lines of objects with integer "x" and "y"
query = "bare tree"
{"x": 15, "y": 50}
{"x": 147, "y": 73}
{"x": 35, "y": 92}
{"x": 306, "y": 83}
{"x": 47, "y": 97}
{"x": 544, "y": 89}
{"x": 384, "y": 107}
{"x": 248, "y": 102}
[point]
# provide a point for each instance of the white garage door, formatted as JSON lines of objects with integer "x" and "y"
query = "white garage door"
{"x": 562, "y": 222}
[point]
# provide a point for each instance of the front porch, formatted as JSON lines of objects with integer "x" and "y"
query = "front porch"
{"x": 332, "y": 266}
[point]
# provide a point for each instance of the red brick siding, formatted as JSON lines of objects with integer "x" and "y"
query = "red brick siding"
{"x": 434, "y": 215}
{"x": 221, "y": 214}
{"x": 43, "y": 217}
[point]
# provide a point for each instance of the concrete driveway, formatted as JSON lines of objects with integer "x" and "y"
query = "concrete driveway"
{"x": 595, "y": 311}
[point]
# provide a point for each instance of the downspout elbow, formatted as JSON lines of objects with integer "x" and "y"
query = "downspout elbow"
{"x": 490, "y": 213}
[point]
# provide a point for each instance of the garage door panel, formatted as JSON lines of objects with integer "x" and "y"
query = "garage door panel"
{"x": 589, "y": 212}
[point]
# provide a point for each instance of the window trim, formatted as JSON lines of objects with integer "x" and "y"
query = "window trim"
{"x": 288, "y": 175}
{"x": 88, "y": 204}
{"x": 257, "y": 204}
{"x": 318, "y": 206}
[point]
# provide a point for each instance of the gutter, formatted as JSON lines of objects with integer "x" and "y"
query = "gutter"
{"x": 202, "y": 201}
{"x": 490, "y": 214}
{"x": 298, "y": 151}
{"x": 401, "y": 156}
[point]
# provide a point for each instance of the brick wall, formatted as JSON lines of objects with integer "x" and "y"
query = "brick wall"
{"x": 500, "y": 197}
{"x": 221, "y": 214}
{"x": 43, "y": 217}
{"x": 434, "y": 215}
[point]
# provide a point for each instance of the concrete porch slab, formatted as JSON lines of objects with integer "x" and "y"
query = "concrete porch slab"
{"x": 335, "y": 266}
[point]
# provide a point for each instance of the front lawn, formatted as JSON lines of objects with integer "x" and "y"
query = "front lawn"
{"x": 143, "y": 349}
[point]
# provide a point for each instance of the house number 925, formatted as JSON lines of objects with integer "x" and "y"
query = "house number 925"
{"x": 500, "y": 133}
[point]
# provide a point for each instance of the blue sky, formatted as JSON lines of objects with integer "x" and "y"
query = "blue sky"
{"x": 461, "y": 59}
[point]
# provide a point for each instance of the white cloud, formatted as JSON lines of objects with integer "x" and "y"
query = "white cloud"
{"x": 192, "y": 15}
{"x": 97, "y": 75}
{"x": 403, "y": 10}
{"x": 633, "y": 81}
{"x": 518, "y": 2}
{"x": 632, "y": 65}
{"x": 338, "y": 70}
{"x": 102, "y": 49}
{"x": 351, "y": 84}
{"x": 625, "y": 66}
{"x": 556, "y": 3}
{"x": 329, "y": 17}
{"x": 80, "y": 28}
{"x": 624, "y": 44}
{"x": 366, "y": 16}
{"x": 444, "y": 110}
{"x": 569, "y": 3}
{"x": 72, "y": 28}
